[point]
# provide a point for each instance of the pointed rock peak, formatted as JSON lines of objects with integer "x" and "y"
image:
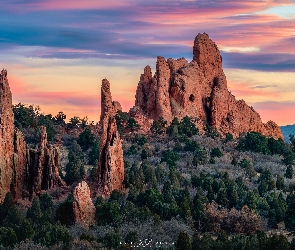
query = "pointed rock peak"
{"x": 206, "y": 51}
{"x": 147, "y": 74}
{"x": 108, "y": 107}
{"x": 106, "y": 99}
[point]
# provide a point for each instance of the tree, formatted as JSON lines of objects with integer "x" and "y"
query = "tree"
{"x": 266, "y": 180}
{"x": 7, "y": 237}
{"x": 170, "y": 158}
{"x": 131, "y": 237}
{"x": 215, "y": 152}
{"x": 46, "y": 120}
{"x": 74, "y": 121}
{"x": 75, "y": 168}
{"x": 86, "y": 139}
{"x": 34, "y": 212}
{"x": 280, "y": 183}
{"x": 21, "y": 226}
{"x": 228, "y": 137}
{"x": 200, "y": 157}
{"x": 211, "y": 131}
{"x": 172, "y": 129}
{"x": 94, "y": 152}
{"x": 288, "y": 157}
{"x": 49, "y": 235}
{"x": 132, "y": 124}
{"x": 46, "y": 206}
{"x": 188, "y": 128}
{"x": 64, "y": 212}
{"x": 290, "y": 212}
{"x": 183, "y": 241}
{"x": 59, "y": 119}
{"x": 254, "y": 141}
{"x": 289, "y": 172}
{"x": 191, "y": 145}
{"x": 198, "y": 213}
{"x": 159, "y": 126}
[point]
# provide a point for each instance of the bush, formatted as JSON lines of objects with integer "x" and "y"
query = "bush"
{"x": 159, "y": 126}
{"x": 216, "y": 152}
{"x": 170, "y": 158}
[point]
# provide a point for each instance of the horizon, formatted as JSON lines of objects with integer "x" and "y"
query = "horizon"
{"x": 57, "y": 54}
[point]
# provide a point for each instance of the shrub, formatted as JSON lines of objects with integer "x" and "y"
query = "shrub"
{"x": 159, "y": 126}
{"x": 216, "y": 152}
{"x": 170, "y": 158}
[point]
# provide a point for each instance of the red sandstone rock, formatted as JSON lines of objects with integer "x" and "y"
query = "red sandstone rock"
{"x": 6, "y": 136}
{"x": 84, "y": 210}
{"x": 111, "y": 165}
{"x": 199, "y": 90}
{"x": 44, "y": 164}
{"x": 108, "y": 107}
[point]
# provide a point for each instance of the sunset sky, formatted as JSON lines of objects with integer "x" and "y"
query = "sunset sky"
{"x": 58, "y": 51}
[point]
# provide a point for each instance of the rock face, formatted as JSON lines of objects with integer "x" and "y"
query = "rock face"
{"x": 111, "y": 164}
{"x": 199, "y": 90}
{"x": 84, "y": 210}
{"x": 12, "y": 146}
{"x": 44, "y": 164}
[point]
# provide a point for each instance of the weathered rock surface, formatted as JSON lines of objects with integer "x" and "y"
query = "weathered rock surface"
{"x": 199, "y": 90}
{"x": 6, "y": 136}
{"x": 111, "y": 165}
{"x": 84, "y": 210}
{"x": 108, "y": 107}
{"x": 12, "y": 146}
{"x": 44, "y": 164}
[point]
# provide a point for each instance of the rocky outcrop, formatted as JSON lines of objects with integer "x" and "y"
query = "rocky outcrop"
{"x": 199, "y": 90}
{"x": 44, "y": 165}
{"x": 6, "y": 136}
{"x": 13, "y": 149}
{"x": 108, "y": 107}
{"x": 111, "y": 165}
{"x": 84, "y": 210}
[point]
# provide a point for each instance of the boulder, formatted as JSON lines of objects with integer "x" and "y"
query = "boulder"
{"x": 84, "y": 210}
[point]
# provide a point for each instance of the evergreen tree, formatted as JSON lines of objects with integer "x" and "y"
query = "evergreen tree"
{"x": 34, "y": 212}
{"x": 289, "y": 172}
{"x": 7, "y": 237}
{"x": 75, "y": 168}
{"x": 86, "y": 139}
{"x": 183, "y": 241}
{"x": 290, "y": 212}
{"x": 280, "y": 183}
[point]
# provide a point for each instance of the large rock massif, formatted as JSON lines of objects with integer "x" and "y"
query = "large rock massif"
{"x": 84, "y": 210}
{"x": 111, "y": 165}
{"x": 199, "y": 90}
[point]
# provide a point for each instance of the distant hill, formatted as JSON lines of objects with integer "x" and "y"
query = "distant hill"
{"x": 287, "y": 130}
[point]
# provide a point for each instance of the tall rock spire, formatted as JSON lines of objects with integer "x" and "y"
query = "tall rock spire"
{"x": 111, "y": 164}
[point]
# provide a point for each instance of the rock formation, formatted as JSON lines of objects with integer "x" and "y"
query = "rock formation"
{"x": 108, "y": 107}
{"x": 44, "y": 164}
{"x": 12, "y": 145}
{"x": 111, "y": 164}
{"x": 84, "y": 210}
{"x": 199, "y": 90}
